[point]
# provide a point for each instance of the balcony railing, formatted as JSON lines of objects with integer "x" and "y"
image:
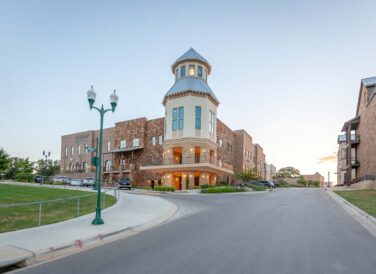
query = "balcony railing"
{"x": 355, "y": 162}
{"x": 191, "y": 160}
{"x": 355, "y": 138}
{"x": 117, "y": 168}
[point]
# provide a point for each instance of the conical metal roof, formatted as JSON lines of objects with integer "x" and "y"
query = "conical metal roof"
{"x": 191, "y": 54}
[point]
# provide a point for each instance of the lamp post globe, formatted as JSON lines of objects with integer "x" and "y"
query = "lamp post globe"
{"x": 114, "y": 100}
{"x": 91, "y": 95}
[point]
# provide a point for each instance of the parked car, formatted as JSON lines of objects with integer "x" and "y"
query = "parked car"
{"x": 57, "y": 179}
{"x": 76, "y": 182}
{"x": 276, "y": 183}
{"x": 88, "y": 181}
{"x": 65, "y": 180}
{"x": 39, "y": 179}
{"x": 125, "y": 183}
{"x": 268, "y": 183}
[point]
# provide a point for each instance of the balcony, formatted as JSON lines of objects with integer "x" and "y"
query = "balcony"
{"x": 355, "y": 163}
{"x": 117, "y": 169}
{"x": 355, "y": 139}
{"x": 199, "y": 163}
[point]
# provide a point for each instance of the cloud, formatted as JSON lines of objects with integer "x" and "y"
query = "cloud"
{"x": 328, "y": 159}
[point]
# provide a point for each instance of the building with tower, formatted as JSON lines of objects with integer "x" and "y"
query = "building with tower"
{"x": 186, "y": 148}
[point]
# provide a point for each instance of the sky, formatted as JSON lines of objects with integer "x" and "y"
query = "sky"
{"x": 288, "y": 72}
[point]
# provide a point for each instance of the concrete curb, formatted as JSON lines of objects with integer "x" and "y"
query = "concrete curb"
{"x": 362, "y": 217}
{"x": 87, "y": 243}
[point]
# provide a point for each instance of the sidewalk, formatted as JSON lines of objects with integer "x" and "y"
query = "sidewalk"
{"x": 130, "y": 215}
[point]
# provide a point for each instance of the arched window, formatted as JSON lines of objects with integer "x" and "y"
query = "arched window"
{"x": 108, "y": 165}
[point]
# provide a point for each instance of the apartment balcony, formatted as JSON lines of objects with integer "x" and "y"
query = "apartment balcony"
{"x": 197, "y": 163}
{"x": 355, "y": 139}
{"x": 117, "y": 169}
{"x": 355, "y": 163}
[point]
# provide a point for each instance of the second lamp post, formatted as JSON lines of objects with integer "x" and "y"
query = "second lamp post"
{"x": 91, "y": 95}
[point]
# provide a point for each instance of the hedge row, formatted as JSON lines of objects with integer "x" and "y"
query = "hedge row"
{"x": 164, "y": 188}
{"x": 223, "y": 189}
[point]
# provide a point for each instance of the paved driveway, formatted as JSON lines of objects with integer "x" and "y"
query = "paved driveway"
{"x": 285, "y": 231}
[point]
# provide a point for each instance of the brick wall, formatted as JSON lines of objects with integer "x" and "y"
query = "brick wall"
{"x": 226, "y": 148}
{"x": 367, "y": 132}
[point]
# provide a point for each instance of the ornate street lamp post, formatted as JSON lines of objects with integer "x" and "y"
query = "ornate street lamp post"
{"x": 91, "y": 95}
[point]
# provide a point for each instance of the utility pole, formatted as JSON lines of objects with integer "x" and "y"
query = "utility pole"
{"x": 328, "y": 178}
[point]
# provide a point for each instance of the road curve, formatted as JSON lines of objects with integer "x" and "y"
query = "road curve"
{"x": 284, "y": 231}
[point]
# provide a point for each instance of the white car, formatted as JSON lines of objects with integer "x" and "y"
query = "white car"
{"x": 76, "y": 182}
{"x": 88, "y": 181}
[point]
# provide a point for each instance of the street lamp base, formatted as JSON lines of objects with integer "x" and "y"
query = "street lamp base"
{"x": 98, "y": 219}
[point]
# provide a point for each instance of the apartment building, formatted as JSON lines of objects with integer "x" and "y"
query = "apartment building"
{"x": 260, "y": 160}
{"x": 360, "y": 136}
{"x": 186, "y": 148}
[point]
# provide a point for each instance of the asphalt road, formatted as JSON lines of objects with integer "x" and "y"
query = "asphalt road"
{"x": 285, "y": 231}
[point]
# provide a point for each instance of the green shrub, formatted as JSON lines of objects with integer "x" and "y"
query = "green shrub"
{"x": 24, "y": 177}
{"x": 313, "y": 183}
{"x": 223, "y": 189}
{"x": 164, "y": 188}
{"x": 258, "y": 188}
{"x": 205, "y": 186}
{"x": 222, "y": 183}
{"x": 283, "y": 184}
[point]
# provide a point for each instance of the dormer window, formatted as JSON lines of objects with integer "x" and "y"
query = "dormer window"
{"x": 182, "y": 71}
{"x": 191, "y": 70}
{"x": 199, "y": 71}
{"x": 177, "y": 73}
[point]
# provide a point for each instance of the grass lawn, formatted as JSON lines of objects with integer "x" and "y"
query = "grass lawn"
{"x": 19, "y": 217}
{"x": 364, "y": 199}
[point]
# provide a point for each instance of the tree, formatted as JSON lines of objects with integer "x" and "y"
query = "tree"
{"x": 49, "y": 169}
{"x": 13, "y": 168}
{"x": 4, "y": 162}
{"x": 288, "y": 172}
{"x": 248, "y": 174}
{"x": 25, "y": 166}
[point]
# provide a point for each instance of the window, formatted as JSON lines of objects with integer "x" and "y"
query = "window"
{"x": 220, "y": 142}
{"x": 198, "y": 117}
{"x": 199, "y": 71}
{"x": 79, "y": 149}
{"x": 72, "y": 150}
{"x": 153, "y": 140}
{"x": 211, "y": 122}
{"x": 191, "y": 70}
{"x": 123, "y": 144}
{"x": 175, "y": 119}
{"x": 66, "y": 151}
{"x": 108, "y": 165}
{"x": 178, "y": 118}
{"x": 136, "y": 142}
{"x": 160, "y": 140}
{"x": 177, "y": 73}
{"x": 108, "y": 146}
{"x": 182, "y": 71}
{"x": 86, "y": 151}
{"x": 181, "y": 118}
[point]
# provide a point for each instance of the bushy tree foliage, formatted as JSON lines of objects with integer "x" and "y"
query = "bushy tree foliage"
{"x": 4, "y": 162}
{"x": 288, "y": 172}
{"x": 248, "y": 175}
